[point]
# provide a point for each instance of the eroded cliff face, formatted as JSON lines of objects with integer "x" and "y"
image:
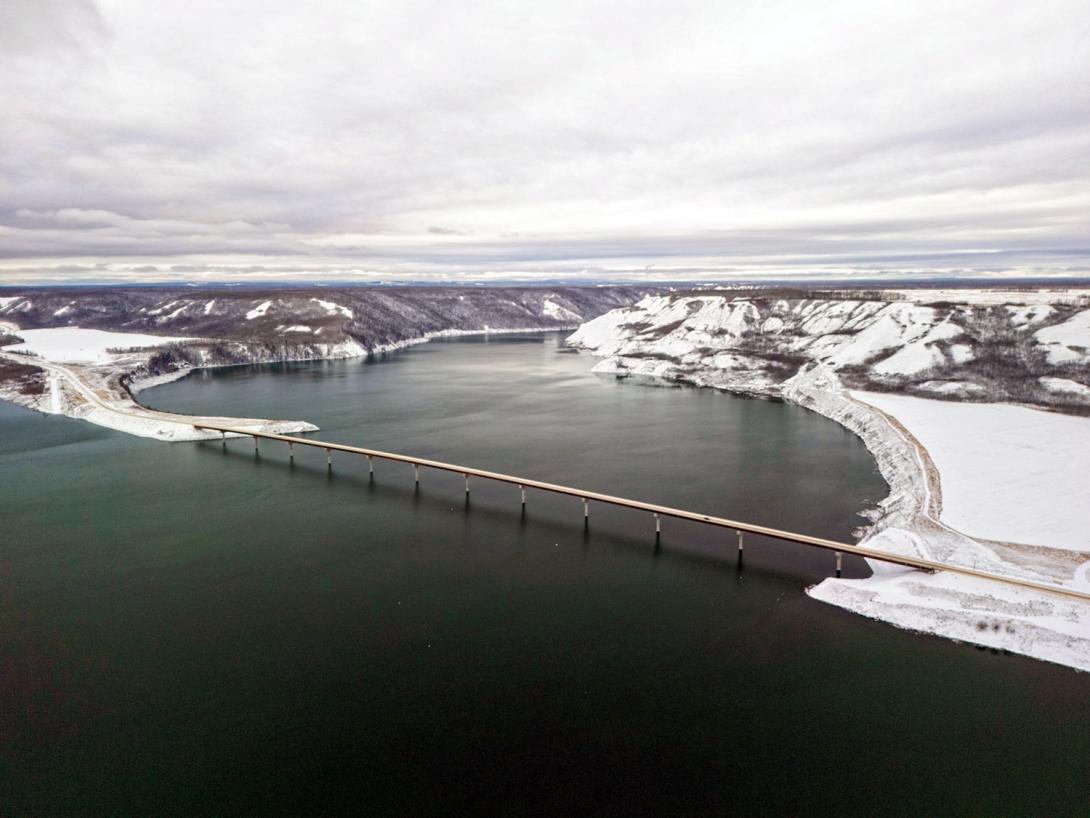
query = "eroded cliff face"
{"x": 996, "y": 346}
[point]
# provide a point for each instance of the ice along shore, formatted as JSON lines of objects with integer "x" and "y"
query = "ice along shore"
{"x": 985, "y": 484}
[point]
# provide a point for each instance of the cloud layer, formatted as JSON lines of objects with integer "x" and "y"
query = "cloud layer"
{"x": 429, "y": 139}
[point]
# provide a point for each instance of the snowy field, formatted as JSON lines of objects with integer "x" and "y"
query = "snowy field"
{"x": 1007, "y": 473}
{"x": 72, "y": 345}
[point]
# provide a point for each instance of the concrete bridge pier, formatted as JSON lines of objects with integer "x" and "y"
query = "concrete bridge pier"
{"x": 838, "y": 548}
{"x": 329, "y": 459}
{"x": 291, "y": 452}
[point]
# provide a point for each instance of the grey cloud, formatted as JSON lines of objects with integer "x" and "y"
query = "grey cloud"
{"x": 216, "y": 135}
{"x": 67, "y": 27}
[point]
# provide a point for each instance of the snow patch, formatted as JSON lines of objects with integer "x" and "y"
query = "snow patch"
{"x": 1024, "y": 316}
{"x": 1065, "y": 386}
{"x": 910, "y": 360}
{"x": 961, "y": 353}
{"x": 162, "y": 309}
{"x": 1067, "y": 342}
{"x": 75, "y": 345}
{"x": 550, "y": 309}
{"x": 954, "y": 388}
{"x": 333, "y": 309}
{"x": 175, "y": 313}
{"x": 258, "y": 311}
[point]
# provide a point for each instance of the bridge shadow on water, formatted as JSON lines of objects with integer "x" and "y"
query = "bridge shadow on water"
{"x": 558, "y": 517}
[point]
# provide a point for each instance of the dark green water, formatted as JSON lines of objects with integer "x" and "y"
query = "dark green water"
{"x": 192, "y": 632}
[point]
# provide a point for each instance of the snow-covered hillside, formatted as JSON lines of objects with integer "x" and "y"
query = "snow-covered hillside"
{"x": 1013, "y": 349}
{"x": 313, "y": 318}
{"x": 118, "y": 340}
{"x": 221, "y": 326}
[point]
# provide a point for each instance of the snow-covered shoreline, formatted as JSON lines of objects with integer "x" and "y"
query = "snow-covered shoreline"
{"x": 696, "y": 347}
{"x": 86, "y": 382}
{"x": 85, "y": 374}
{"x": 1044, "y": 626}
{"x": 1040, "y": 625}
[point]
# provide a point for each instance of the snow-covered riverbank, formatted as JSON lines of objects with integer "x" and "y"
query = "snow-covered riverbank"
{"x": 1009, "y": 473}
{"x": 90, "y": 378}
{"x": 95, "y": 394}
{"x": 915, "y": 521}
{"x": 85, "y": 372}
{"x": 1018, "y": 511}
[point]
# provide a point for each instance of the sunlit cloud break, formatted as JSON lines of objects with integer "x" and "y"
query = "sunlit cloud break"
{"x": 377, "y": 141}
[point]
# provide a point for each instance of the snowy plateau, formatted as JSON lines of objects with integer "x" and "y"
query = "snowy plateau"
{"x": 975, "y": 404}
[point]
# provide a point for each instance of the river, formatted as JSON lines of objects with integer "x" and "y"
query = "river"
{"x": 193, "y": 629}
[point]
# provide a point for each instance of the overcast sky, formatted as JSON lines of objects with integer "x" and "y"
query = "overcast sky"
{"x": 266, "y": 139}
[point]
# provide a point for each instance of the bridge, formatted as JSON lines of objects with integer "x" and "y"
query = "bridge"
{"x": 659, "y": 511}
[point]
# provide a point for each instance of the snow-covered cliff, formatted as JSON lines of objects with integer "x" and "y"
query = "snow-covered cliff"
{"x": 1022, "y": 347}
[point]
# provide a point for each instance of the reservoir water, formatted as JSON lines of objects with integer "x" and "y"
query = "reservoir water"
{"x": 191, "y": 629}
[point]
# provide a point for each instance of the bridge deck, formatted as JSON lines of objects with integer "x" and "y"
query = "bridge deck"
{"x": 662, "y": 511}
